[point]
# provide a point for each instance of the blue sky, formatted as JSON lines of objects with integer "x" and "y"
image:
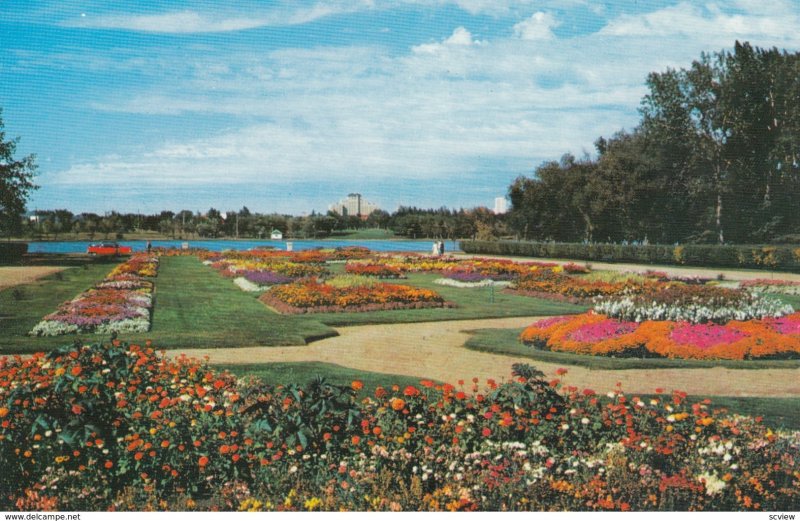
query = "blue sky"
{"x": 289, "y": 105}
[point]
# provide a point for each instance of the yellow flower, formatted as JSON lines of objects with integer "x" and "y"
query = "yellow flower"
{"x": 312, "y": 504}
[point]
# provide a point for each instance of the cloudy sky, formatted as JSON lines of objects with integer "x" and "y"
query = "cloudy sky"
{"x": 289, "y": 105}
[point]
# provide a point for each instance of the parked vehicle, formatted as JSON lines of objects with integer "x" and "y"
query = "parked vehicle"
{"x": 109, "y": 249}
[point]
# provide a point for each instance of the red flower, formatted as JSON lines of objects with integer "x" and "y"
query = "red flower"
{"x": 486, "y": 431}
{"x": 203, "y": 461}
{"x": 411, "y": 391}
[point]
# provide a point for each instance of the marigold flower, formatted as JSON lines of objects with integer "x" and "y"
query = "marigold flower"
{"x": 397, "y": 404}
{"x": 203, "y": 461}
{"x": 357, "y": 385}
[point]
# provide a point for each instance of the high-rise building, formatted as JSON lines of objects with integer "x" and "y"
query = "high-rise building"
{"x": 500, "y": 205}
{"x": 354, "y": 204}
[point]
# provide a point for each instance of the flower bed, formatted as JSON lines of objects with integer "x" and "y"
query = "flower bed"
{"x": 121, "y": 303}
{"x": 552, "y": 283}
{"x": 121, "y": 428}
{"x": 597, "y": 334}
{"x": 784, "y": 287}
{"x": 381, "y": 271}
{"x": 480, "y": 283}
{"x": 310, "y": 296}
{"x": 696, "y": 304}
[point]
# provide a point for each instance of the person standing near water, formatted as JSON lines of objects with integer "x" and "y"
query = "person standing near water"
{"x": 149, "y": 246}
{"x": 441, "y": 247}
{"x": 435, "y": 250}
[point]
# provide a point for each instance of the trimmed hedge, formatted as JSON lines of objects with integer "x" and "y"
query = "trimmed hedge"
{"x": 12, "y": 251}
{"x": 778, "y": 258}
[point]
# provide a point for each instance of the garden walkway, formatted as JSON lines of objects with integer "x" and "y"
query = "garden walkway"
{"x": 435, "y": 350}
{"x": 14, "y": 275}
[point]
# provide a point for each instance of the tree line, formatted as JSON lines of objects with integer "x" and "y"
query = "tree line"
{"x": 411, "y": 222}
{"x": 715, "y": 158}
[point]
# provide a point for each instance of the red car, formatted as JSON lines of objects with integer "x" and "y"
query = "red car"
{"x": 108, "y": 248}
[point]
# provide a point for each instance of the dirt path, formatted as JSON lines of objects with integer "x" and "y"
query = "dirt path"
{"x": 14, "y": 275}
{"x": 674, "y": 271}
{"x": 435, "y": 350}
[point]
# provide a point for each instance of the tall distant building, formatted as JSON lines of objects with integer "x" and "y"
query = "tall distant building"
{"x": 354, "y": 204}
{"x": 500, "y": 205}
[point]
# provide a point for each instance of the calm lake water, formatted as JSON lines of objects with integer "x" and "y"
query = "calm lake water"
{"x": 219, "y": 245}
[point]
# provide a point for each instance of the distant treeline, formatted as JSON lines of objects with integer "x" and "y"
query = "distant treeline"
{"x": 715, "y": 158}
{"x": 410, "y": 222}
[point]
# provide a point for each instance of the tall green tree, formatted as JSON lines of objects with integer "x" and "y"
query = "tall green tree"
{"x": 16, "y": 183}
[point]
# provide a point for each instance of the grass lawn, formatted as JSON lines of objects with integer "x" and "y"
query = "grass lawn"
{"x": 777, "y": 412}
{"x": 23, "y": 306}
{"x": 506, "y": 342}
{"x": 196, "y": 307}
{"x": 473, "y": 303}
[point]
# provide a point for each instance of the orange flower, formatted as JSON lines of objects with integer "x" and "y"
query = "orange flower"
{"x": 203, "y": 461}
{"x": 3, "y": 412}
{"x": 397, "y": 404}
{"x": 357, "y": 385}
{"x": 76, "y": 370}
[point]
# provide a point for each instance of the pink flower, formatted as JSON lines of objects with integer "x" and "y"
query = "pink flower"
{"x": 705, "y": 336}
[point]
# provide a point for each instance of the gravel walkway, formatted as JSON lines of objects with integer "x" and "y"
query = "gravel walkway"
{"x": 435, "y": 350}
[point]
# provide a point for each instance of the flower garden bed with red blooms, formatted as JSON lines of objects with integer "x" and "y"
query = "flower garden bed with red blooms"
{"x": 596, "y": 334}
{"x": 381, "y": 271}
{"x": 310, "y": 296}
{"x": 117, "y": 427}
{"x": 541, "y": 283}
{"x": 121, "y": 303}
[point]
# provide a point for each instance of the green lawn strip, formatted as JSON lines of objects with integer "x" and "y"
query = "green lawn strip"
{"x": 301, "y": 373}
{"x": 23, "y": 306}
{"x": 472, "y": 303}
{"x": 196, "y": 307}
{"x": 506, "y": 342}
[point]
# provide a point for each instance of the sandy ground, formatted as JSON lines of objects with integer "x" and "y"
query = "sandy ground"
{"x": 435, "y": 350}
{"x": 13, "y": 275}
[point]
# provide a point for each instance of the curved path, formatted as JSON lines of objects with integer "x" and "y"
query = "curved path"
{"x": 435, "y": 350}
{"x": 14, "y": 275}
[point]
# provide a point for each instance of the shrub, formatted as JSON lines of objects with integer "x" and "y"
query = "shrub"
{"x": 11, "y": 252}
{"x": 784, "y": 258}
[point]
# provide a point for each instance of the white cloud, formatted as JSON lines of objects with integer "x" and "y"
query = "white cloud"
{"x": 709, "y": 23}
{"x": 538, "y": 27}
{"x": 176, "y": 22}
{"x": 461, "y": 37}
{"x": 444, "y": 110}
{"x": 188, "y": 21}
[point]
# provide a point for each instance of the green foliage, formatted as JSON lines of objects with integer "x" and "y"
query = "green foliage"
{"x": 778, "y": 258}
{"x": 119, "y": 427}
{"x": 16, "y": 183}
{"x": 713, "y": 160}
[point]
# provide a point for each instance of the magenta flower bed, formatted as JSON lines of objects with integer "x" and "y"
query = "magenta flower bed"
{"x": 704, "y": 336}
{"x": 602, "y": 331}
